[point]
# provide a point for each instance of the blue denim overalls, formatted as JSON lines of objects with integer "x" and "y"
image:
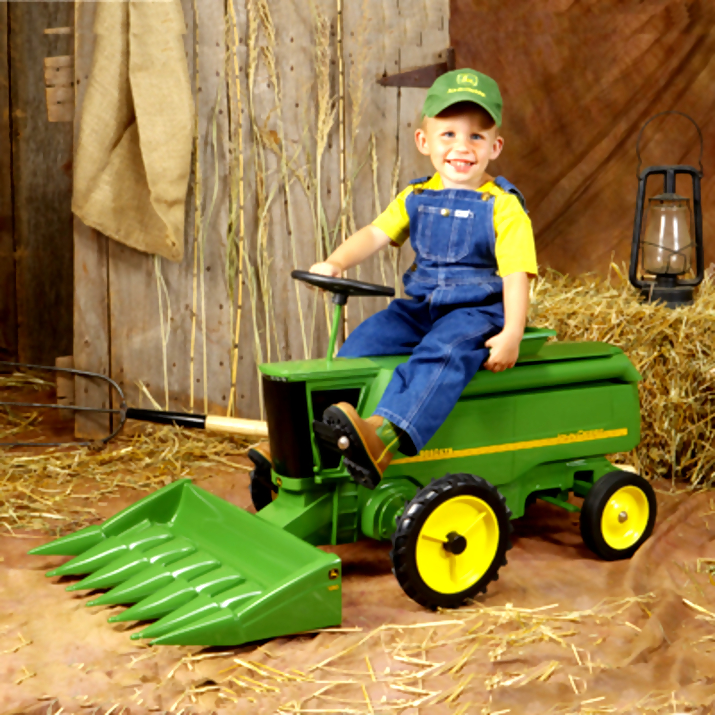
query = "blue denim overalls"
{"x": 456, "y": 307}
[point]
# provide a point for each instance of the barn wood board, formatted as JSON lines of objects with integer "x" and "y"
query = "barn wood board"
{"x": 372, "y": 40}
{"x": 42, "y": 185}
{"x": 295, "y": 64}
{"x": 8, "y": 309}
{"x": 137, "y": 352}
{"x": 412, "y": 37}
{"x": 244, "y": 378}
{"x": 91, "y": 291}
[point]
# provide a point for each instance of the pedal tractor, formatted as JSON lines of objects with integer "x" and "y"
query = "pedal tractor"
{"x": 210, "y": 573}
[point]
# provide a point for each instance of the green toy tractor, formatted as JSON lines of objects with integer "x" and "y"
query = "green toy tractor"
{"x": 210, "y": 573}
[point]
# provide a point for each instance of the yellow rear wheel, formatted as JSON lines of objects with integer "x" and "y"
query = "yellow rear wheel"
{"x": 625, "y": 517}
{"x": 451, "y": 540}
{"x": 618, "y": 515}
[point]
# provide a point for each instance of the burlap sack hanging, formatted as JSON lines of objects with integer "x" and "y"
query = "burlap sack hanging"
{"x": 133, "y": 160}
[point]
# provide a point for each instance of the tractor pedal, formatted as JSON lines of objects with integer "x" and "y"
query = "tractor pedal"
{"x": 360, "y": 475}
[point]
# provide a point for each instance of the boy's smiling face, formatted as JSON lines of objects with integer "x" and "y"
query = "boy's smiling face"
{"x": 460, "y": 141}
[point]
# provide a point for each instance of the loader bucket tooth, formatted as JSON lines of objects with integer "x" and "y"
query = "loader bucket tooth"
{"x": 135, "y": 588}
{"x": 128, "y": 565}
{"x": 204, "y": 609}
{"x": 72, "y": 544}
{"x": 181, "y": 592}
{"x": 155, "y": 577}
{"x": 241, "y": 615}
{"x": 165, "y": 598}
{"x": 141, "y": 537}
{"x": 211, "y": 572}
{"x": 159, "y": 506}
{"x": 200, "y": 606}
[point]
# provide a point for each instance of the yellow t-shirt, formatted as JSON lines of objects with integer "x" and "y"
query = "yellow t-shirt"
{"x": 515, "y": 250}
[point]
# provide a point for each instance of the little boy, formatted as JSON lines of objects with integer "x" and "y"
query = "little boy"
{"x": 469, "y": 284}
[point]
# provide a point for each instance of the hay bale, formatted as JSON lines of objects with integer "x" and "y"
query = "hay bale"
{"x": 674, "y": 350}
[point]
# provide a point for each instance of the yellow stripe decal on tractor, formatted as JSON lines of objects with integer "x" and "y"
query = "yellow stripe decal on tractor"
{"x": 430, "y": 455}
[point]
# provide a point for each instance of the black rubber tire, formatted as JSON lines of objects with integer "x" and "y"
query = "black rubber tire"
{"x": 404, "y": 540}
{"x": 595, "y": 503}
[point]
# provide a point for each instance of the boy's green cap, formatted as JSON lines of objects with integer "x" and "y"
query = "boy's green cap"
{"x": 465, "y": 85}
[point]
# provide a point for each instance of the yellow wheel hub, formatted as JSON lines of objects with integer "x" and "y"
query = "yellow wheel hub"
{"x": 467, "y": 525}
{"x": 625, "y": 518}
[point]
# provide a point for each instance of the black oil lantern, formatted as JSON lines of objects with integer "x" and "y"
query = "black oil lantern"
{"x": 671, "y": 244}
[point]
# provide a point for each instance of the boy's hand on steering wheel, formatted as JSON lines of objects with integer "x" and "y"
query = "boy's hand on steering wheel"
{"x": 503, "y": 351}
{"x": 326, "y": 269}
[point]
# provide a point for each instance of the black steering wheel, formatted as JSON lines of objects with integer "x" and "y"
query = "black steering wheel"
{"x": 343, "y": 288}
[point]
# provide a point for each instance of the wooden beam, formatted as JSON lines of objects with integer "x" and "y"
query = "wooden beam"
{"x": 8, "y": 308}
{"x": 42, "y": 187}
{"x": 91, "y": 289}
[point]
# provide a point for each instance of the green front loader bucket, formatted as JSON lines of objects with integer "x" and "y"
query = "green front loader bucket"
{"x": 210, "y": 572}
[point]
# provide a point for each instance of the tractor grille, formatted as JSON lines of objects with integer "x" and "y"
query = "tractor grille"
{"x": 288, "y": 427}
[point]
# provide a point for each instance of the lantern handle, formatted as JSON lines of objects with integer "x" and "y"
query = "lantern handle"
{"x": 660, "y": 114}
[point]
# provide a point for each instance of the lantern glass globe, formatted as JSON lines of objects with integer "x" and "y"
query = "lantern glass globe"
{"x": 667, "y": 244}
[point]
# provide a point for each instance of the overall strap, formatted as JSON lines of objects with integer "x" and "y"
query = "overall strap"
{"x": 422, "y": 180}
{"x": 507, "y": 186}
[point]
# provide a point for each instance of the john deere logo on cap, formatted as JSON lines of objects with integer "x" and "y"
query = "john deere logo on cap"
{"x": 468, "y": 79}
{"x": 462, "y": 85}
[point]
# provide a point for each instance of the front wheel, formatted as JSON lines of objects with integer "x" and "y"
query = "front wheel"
{"x": 618, "y": 515}
{"x": 451, "y": 540}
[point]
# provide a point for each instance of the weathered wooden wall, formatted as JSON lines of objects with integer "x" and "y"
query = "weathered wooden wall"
{"x": 125, "y": 298}
{"x": 8, "y": 308}
{"x": 579, "y": 79}
{"x": 41, "y": 218}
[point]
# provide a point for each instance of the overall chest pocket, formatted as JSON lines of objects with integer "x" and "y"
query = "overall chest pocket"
{"x": 443, "y": 233}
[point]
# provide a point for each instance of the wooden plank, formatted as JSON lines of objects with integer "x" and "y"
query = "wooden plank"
{"x": 246, "y": 401}
{"x": 42, "y": 160}
{"x": 299, "y": 312}
{"x": 405, "y": 38}
{"x": 371, "y": 47}
{"x": 8, "y": 308}
{"x": 425, "y": 40}
{"x": 213, "y": 337}
{"x": 59, "y": 88}
{"x": 64, "y": 387}
{"x": 59, "y": 76}
{"x": 58, "y": 62}
{"x": 60, "y": 104}
{"x": 91, "y": 292}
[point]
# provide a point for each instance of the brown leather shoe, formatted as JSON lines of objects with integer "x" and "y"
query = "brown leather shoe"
{"x": 364, "y": 454}
{"x": 260, "y": 455}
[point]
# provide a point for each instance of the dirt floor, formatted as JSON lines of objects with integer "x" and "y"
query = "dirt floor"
{"x": 560, "y": 631}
